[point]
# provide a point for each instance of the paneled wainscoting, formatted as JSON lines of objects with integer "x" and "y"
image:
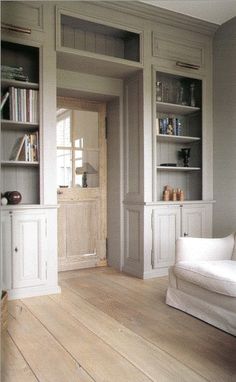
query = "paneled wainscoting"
{"x": 107, "y": 326}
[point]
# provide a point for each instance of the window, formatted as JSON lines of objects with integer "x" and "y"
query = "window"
{"x": 77, "y": 148}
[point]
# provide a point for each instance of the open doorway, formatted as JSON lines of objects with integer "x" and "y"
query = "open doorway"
{"x": 82, "y": 183}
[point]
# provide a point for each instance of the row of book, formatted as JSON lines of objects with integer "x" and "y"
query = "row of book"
{"x": 14, "y": 73}
{"x": 168, "y": 126}
{"x": 23, "y": 105}
{"x": 26, "y": 148}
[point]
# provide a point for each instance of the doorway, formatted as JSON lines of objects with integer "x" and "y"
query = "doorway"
{"x": 82, "y": 183}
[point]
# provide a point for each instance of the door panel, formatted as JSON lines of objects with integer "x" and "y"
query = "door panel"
{"x": 6, "y": 249}
{"x": 29, "y": 266}
{"x": 166, "y": 230}
{"x": 194, "y": 221}
{"x": 82, "y": 215}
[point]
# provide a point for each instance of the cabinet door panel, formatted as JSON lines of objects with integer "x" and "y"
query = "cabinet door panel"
{"x": 166, "y": 230}
{"x": 172, "y": 49}
{"x": 29, "y": 239}
{"x": 6, "y": 250}
{"x": 195, "y": 221}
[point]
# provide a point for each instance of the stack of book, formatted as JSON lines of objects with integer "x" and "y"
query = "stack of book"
{"x": 13, "y": 73}
{"x": 26, "y": 148}
{"x": 168, "y": 126}
{"x": 23, "y": 105}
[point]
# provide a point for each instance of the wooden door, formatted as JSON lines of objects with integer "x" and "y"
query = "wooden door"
{"x": 82, "y": 221}
{"x": 29, "y": 240}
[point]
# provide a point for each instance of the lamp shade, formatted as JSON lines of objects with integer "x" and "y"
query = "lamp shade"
{"x": 87, "y": 167}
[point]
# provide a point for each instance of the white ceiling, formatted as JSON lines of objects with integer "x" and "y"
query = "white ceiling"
{"x": 215, "y": 11}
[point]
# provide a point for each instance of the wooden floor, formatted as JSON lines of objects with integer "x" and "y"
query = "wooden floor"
{"x": 109, "y": 327}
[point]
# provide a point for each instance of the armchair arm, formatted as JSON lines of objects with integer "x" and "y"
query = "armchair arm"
{"x": 194, "y": 249}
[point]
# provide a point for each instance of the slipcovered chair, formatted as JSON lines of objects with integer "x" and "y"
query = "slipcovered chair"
{"x": 203, "y": 280}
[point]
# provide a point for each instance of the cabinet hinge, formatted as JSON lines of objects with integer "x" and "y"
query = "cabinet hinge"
{"x": 106, "y": 128}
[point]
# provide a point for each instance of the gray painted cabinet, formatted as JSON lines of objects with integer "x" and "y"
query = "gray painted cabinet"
{"x": 29, "y": 229}
{"x": 94, "y": 58}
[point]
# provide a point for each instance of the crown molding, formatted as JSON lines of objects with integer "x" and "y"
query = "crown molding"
{"x": 164, "y": 16}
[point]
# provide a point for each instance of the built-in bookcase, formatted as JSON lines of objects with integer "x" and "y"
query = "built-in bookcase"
{"x": 20, "y": 124}
{"x": 178, "y": 125}
{"x": 84, "y": 44}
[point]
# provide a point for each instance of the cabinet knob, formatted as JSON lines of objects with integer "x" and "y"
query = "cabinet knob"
{"x": 185, "y": 234}
{"x": 16, "y": 249}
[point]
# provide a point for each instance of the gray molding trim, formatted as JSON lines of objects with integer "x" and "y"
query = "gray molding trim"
{"x": 160, "y": 15}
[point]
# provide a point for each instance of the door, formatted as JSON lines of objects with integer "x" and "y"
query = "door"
{"x": 166, "y": 230}
{"x": 29, "y": 241}
{"x": 195, "y": 221}
{"x": 82, "y": 182}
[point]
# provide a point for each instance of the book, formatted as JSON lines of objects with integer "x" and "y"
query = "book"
{"x": 23, "y": 105}
{"x": 17, "y": 149}
{"x": 4, "y": 99}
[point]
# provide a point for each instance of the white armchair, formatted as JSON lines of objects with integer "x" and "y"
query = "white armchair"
{"x": 203, "y": 280}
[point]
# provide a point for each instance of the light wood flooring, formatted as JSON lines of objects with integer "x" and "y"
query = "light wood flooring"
{"x": 109, "y": 327}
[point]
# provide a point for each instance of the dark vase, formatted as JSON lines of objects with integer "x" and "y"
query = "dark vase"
{"x": 185, "y": 153}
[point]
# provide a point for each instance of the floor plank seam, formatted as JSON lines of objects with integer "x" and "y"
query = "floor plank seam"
{"x": 107, "y": 344}
{"x": 57, "y": 341}
{"x": 146, "y": 339}
{"x": 23, "y": 356}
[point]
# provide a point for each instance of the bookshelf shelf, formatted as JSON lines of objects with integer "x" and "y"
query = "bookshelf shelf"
{"x": 178, "y": 134}
{"x": 19, "y": 163}
{"x": 165, "y": 107}
{"x": 20, "y": 121}
{"x": 177, "y": 168}
{"x": 177, "y": 138}
{"x": 19, "y": 84}
{"x": 16, "y": 125}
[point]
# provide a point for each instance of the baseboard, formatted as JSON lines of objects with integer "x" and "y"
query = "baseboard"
{"x": 160, "y": 272}
{"x": 20, "y": 293}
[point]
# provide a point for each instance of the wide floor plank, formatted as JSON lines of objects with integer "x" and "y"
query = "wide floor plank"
{"x": 205, "y": 349}
{"x": 101, "y": 361}
{"x": 110, "y": 327}
{"x": 14, "y": 367}
{"x": 145, "y": 356}
{"x": 48, "y": 359}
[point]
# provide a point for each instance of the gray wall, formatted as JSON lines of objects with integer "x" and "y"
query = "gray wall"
{"x": 224, "y": 218}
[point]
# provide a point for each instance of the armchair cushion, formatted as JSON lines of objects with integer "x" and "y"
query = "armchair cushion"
{"x": 196, "y": 249}
{"x": 217, "y": 276}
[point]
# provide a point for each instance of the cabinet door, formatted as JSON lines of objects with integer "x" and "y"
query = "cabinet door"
{"x": 29, "y": 248}
{"x": 176, "y": 51}
{"x": 6, "y": 250}
{"x": 166, "y": 230}
{"x": 196, "y": 221}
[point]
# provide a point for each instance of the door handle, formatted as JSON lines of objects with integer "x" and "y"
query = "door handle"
{"x": 16, "y": 249}
{"x": 187, "y": 65}
{"x": 185, "y": 234}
